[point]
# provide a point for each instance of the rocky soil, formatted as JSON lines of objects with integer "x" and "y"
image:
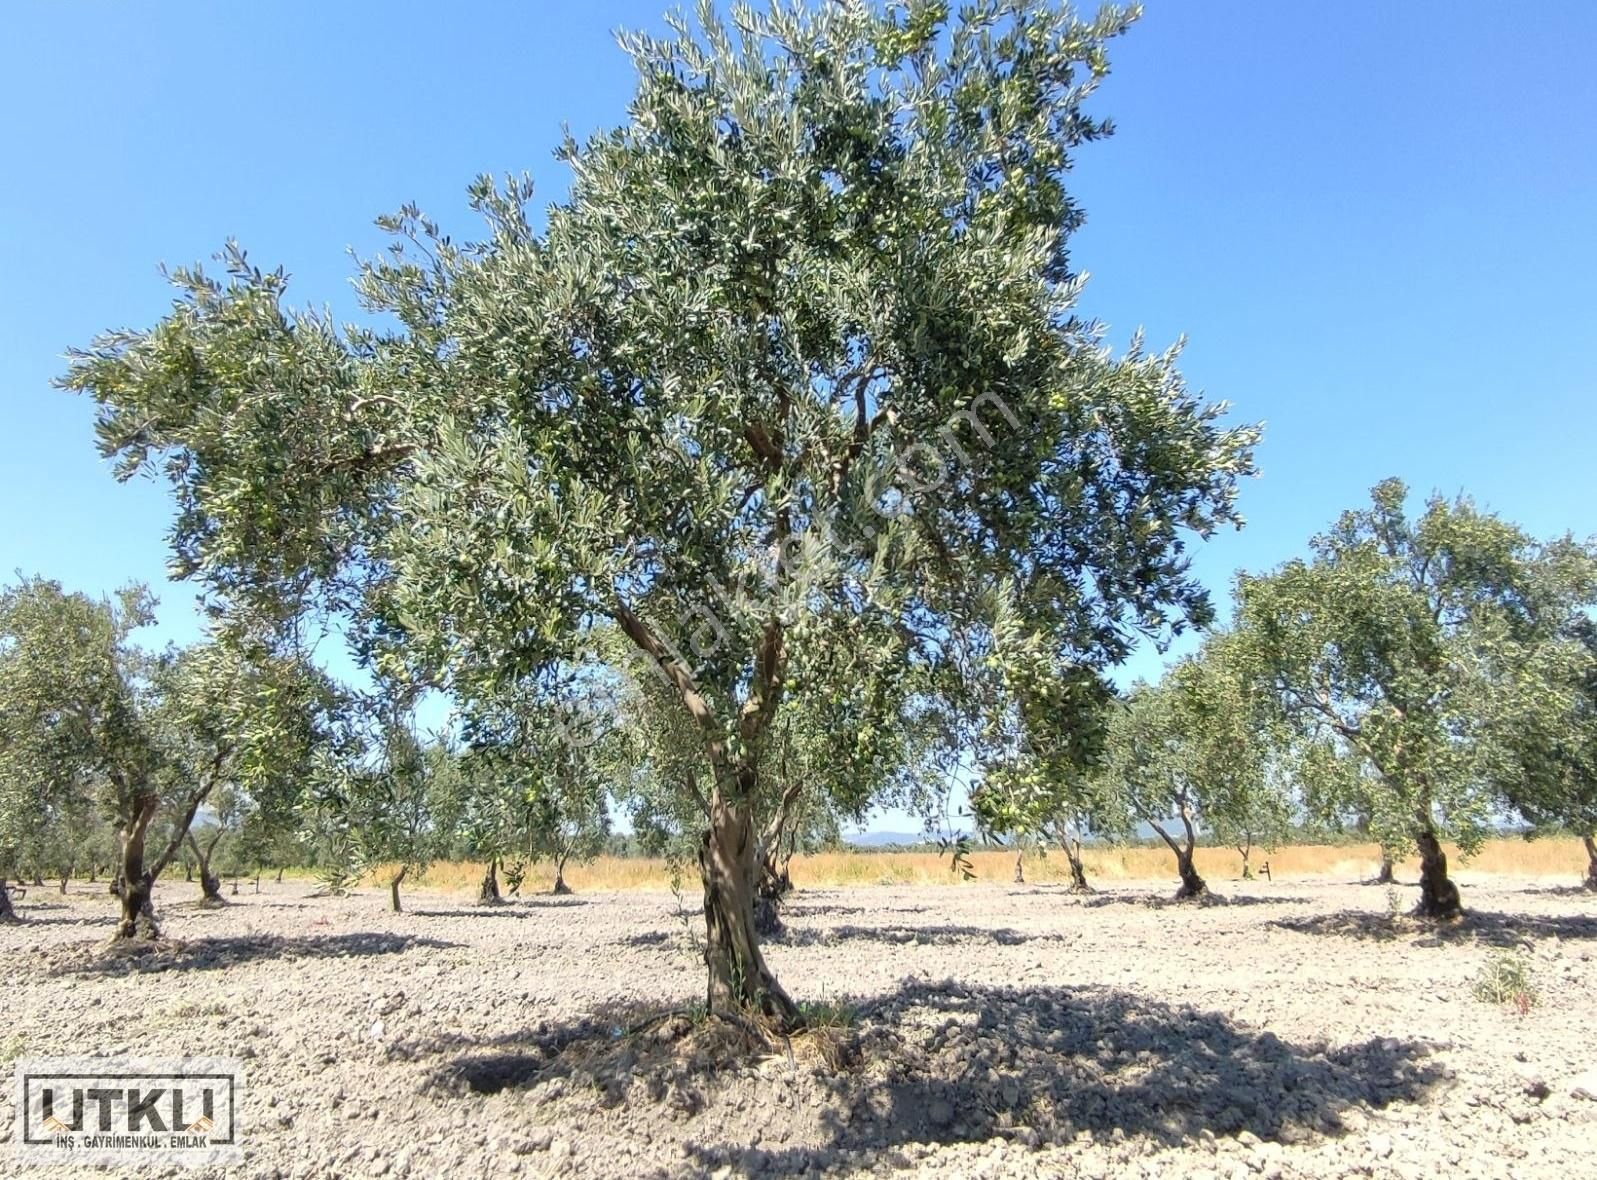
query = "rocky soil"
{"x": 981, "y": 1030}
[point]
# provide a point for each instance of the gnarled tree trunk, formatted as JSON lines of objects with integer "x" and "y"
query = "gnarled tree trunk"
{"x": 1385, "y": 876}
{"x": 739, "y": 980}
{"x": 560, "y": 886}
{"x": 1192, "y": 885}
{"x": 393, "y": 889}
{"x": 488, "y": 893}
{"x": 775, "y": 881}
{"x": 1591, "y": 862}
{"x": 1439, "y": 898}
{"x": 280, "y": 875}
{"x": 1078, "y": 871}
{"x": 7, "y": 912}
{"x": 1020, "y": 867}
{"x": 210, "y": 884}
{"x": 138, "y": 883}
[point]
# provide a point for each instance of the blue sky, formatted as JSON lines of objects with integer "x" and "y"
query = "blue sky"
{"x": 1373, "y": 221}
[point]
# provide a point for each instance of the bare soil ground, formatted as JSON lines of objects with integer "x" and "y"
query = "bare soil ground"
{"x": 995, "y": 1031}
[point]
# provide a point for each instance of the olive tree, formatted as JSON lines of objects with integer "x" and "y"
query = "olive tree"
{"x": 1380, "y": 644}
{"x": 1192, "y": 749}
{"x": 1543, "y": 706}
{"x": 799, "y": 351}
{"x": 75, "y": 704}
{"x": 552, "y": 752}
{"x": 1040, "y": 744}
{"x": 90, "y": 719}
{"x": 376, "y": 801}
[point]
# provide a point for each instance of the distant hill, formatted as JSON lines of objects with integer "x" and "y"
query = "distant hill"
{"x": 878, "y": 839}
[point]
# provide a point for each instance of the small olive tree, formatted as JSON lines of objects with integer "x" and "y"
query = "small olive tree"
{"x": 1193, "y": 749}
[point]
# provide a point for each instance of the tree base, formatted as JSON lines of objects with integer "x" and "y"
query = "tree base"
{"x": 561, "y": 889}
{"x": 1439, "y": 899}
{"x": 141, "y": 927}
{"x": 1192, "y": 890}
{"x": 1385, "y": 876}
{"x": 214, "y": 902}
{"x": 767, "y": 917}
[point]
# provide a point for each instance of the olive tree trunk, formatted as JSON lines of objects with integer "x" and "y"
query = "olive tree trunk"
{"x": 739, "y": 980}
{"x": 1439, "y": 900}
{"x": 1591, "y": 862}
{"x": 1071, "y": 844}
{"x": 1192, "y": 885}
{"x": 560, "y": 887}
{"x": 137, "y": 922}
{"x": 8, "y": 913}
{"x": 1020, "y": 867}
{"x": 210, "y": 883}
{"x": 393, "y": 890}
{"x": 775, "y": 881}
{"x": 488, "y": 893}
{"x": 1385, "y": 876}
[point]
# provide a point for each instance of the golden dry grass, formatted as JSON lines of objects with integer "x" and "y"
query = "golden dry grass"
{"x": 1535, "y": 858}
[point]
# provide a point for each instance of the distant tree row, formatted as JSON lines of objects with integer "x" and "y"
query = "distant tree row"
{"x": 1421, "y": 679}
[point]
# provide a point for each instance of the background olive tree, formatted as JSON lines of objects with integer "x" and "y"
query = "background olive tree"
{"x": 1382, "y": 645}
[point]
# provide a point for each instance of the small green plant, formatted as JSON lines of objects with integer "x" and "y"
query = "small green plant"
{"x": 824, "y": 1013}
{"x": 1505, "y": 979}
{"x": 11, "y": 1048}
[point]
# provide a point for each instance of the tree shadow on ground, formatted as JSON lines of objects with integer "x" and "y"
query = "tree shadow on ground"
{"x": 1562, "y": 891}
{"x": 1483, "y": 926}
{"x": 1160, "y": 901}
{"x": 215, "y": 954}
{"x": 30, "y": 917}
{"x": 952, "y": 1063}
{"x": 814, "y": 908}
{"x": 651, "y": 938}
{"x": 475, "y": 911}
{"x": 904, "y": 935}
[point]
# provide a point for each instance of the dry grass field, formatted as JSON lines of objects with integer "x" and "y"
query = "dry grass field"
{"x": 1531, "y": 858}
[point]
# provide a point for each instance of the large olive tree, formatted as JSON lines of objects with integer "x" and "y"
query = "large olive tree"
{"x": 798, "y": 351}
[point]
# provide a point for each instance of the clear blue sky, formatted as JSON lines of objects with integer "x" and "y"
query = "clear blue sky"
{"x": 1377, "y": 223}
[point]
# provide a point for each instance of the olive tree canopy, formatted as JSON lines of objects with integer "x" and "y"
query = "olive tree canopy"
{"x": 800, "y": 346}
